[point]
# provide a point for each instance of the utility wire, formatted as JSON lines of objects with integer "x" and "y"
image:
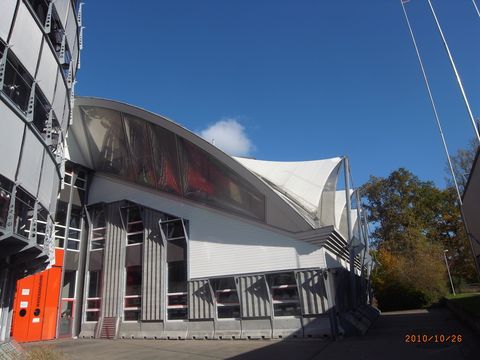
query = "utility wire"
{"x": 457, "y": 75}
{"x": 432, "y": 101}
{"x": 476, "y": 7}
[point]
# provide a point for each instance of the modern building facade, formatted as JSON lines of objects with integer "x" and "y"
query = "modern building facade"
{"x": 166, "y": 236}
{"x": 119, "y": 223}
{"x": 40, "y": 43}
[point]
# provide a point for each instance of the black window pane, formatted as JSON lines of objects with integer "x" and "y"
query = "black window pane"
{"x": 94, "y": 287}
{"x": 177, "y": 314}
{"x": 132, "y": 315}
{"x": 92, "y": 315}
{"x": 286, "y": 309}
{"x": 133, "y": 280}
{"x": 177, "y": 276}
{"x": 225, "y": 312}
{"x": 68, "y": 289}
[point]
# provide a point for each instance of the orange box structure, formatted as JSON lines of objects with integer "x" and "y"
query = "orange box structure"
{"x": 36, "y": 304}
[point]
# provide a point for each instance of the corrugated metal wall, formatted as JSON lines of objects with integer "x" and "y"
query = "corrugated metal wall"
{"x": 313, "y": 295}
{"x": 153, "y": 253}
{"x": 200, "y": 304}
{"x": 113, "y": 266}
{"x": 253, "y": 294}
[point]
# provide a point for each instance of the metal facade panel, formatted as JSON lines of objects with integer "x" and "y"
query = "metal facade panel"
{"x": 47, "y": 72}
{"x": 61, "y": 6}
{"x": 55, "y": 190}
{"x": 7, "y": 9}
{"x": 153, "y": 267}
{"x": 313, "y": 295}
{"x": 113, "y": 266}
{"x": 254, "y": 298}
{"x": 71, "y": 27}
{"x": 10, "y": 141}
{"x": 59, "y": 100}
{"x": 49, "y": 173}
{"x": 200, "y": 304}
{"x": 31, "y": 163}
{"x": 26, "y": 39}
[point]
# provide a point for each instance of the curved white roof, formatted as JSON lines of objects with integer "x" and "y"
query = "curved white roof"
{"x": 301, "y": 181}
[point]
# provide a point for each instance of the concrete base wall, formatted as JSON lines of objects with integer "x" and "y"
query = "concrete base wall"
{"x": 283, "y": 328}
{"x": 228, "y": 329}
{"x": 290, "y": 327}
{"x": 316, "y": 327}
{"x": 201, "y": 330}
{"x": 176, "y": 330}
{"x": 88, "y": 330}
{"x": 256, "y": 329}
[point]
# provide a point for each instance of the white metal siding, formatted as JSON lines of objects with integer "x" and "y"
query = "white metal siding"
{"x": 31, "y": 163}
{"x": 47, "y": 72}
{"x": 10, "y": 141}
{"x": 26, "y": 39}
{"x": 7, "y": 9}
{"x": 47, "y": 182}
{"x": 218, "y": 244}
{"x": 62, "y": 6}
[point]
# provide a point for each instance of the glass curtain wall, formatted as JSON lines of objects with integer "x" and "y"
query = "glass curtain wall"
{"x": 145, "y": 153}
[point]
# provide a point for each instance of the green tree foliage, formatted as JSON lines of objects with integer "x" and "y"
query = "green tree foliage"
{"x": 413, "y": 223}
{"x": 462, "y": 163}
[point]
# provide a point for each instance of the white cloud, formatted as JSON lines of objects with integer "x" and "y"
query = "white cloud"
{"x": 229, "y": 135}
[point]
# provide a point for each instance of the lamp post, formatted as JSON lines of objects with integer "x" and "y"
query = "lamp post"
{"x": 448, "y": 270}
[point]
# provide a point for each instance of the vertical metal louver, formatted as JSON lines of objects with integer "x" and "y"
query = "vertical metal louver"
{"x": 200, "y": 303}
{"x": 113, "y": 262}
{"x": 313, "y": 295}
{"x": 253, "y": 294}
{"x": 152, "y": 271}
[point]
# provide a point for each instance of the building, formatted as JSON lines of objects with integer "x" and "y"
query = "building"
{"x": 147, "y": 230}
{"x": 166, "y": 236}
{"x": 471, "y": 209}
{"x": 39, "y": 56}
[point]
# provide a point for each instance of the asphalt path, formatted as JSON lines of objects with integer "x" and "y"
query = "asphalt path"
{"x": 405, "y": 335}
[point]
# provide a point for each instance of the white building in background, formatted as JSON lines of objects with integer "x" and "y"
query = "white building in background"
{"x": 185, "y": 241}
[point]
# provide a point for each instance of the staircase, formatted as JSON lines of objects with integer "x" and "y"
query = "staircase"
{"x": 109, "y": 328}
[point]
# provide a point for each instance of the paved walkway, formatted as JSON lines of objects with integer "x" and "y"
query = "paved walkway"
{"x": 384, "y": 341}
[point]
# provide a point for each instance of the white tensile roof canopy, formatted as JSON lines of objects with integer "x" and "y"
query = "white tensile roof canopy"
{"x": 310, "y": 185}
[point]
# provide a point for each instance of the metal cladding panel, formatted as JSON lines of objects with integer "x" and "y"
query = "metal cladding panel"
{"x": 71, "y": 27}
{"x": 61, "y": 6}
{"x": 7, "y": 9}
{"x": 113, "y": 266}
{"x": 26, "y": 39}
{"x": 254, "y": 298}
{"x": 313, "y": 295}
{"x": 200, "y": 304}
{"x": 55, "y": 192}
{"x": 49, "y": 173}
{"x": 59, "y": 100}
{"x": 75, "y": 55}
{"x": 30, "y": 163}
{"x": 153, "y": 262}
{"x": 47, "y": 72}
{"x": 10, "y": 141}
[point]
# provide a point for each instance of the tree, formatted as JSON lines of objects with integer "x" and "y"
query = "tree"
{"x": 462, "y": 163}
{"x": 413, "y": 222}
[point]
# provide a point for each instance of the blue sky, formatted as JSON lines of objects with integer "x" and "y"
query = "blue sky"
{"x": 300, "y": 80}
